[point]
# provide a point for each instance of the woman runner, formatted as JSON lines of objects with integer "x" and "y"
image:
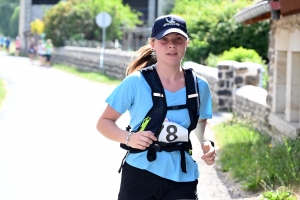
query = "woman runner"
{"x": 165, "y": 177}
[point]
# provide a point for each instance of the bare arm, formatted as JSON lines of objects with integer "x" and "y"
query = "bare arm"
{"x": 107, "y": 126}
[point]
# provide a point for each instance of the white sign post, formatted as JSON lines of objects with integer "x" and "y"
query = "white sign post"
{"x": 103, "y": 20}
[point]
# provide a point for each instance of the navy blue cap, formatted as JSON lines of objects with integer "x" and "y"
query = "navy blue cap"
{"x": 168, "y": 24}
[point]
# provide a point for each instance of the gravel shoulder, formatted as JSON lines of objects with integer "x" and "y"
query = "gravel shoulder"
{"x": 216, "y": 184}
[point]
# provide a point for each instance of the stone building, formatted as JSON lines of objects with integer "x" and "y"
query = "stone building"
{"x": 132, "y": 39}
{"x": 284, "y": 67}
{"x": 151, "y": 9}
{"x": 29, "y": 11}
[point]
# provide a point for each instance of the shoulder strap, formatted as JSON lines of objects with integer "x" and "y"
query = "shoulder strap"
{"x": 158, "y": 112}
{"x": 156, "y": 115}
{"x": 192, "y": 97}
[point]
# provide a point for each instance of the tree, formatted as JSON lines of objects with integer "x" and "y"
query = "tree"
{"x": 213, "y": 29}
{"x": 9, "y": 15}
{"x": 37, "y": 27}
{"x": 76, "y": 19}
{"x": 14, "y": 23}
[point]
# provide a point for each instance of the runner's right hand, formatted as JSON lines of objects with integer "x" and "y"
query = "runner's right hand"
{"x": 141, "y": 140}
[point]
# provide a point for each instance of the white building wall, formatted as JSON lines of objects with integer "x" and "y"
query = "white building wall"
{"x": 38, "y": 11}
{"x": 285, "y": 109}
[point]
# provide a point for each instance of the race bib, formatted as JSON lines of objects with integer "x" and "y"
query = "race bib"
{"x": 173, "y": 132}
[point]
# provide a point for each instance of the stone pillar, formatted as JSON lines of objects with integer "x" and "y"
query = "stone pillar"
{"x": 246, "y": 73}
{"x": 24, "y": 21}
{"x": 279, "y": 82}
{"x": 292, "y": 88}
{"x": 233, "y": 75}
{"x": 280, "y": 71}
{"x": 293, "y": 82}
{"x": 295, "y": 47}
{"x": 271, "y": 65}
{"x": 225, "y": 84}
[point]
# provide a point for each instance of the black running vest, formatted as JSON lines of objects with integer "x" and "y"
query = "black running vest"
{"x": 156, "y": 115}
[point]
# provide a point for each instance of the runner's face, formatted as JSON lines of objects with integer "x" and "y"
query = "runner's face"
{"x": 170, "y": 49}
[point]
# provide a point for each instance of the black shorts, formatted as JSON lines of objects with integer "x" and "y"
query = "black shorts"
{"x": 31, "y": 51}
{"x": 48, "y": 57}
{"x": 138, "y": 184}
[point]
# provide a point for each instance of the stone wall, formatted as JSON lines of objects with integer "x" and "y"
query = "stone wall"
{"x": 223, "y": 80}
{"x": 116, "y": 61}
{"x": 88, "y": 59}
{"x": 230, "y": 77}
{"x": 250, "y": 104}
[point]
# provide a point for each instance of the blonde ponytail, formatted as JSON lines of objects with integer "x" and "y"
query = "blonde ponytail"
{"x": 143, "y": 57}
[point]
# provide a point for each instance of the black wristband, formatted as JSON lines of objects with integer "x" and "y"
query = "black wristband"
{"x": 212, "y": 142}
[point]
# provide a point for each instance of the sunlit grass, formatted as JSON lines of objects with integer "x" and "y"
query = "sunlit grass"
{"x": 251, "y": 158}
{"x": 93, "y": 76}
{"x": 2, "y": 91}
{"x": 12, "y": 48}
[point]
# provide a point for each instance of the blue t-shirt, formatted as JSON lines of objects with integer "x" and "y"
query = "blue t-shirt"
{"x": 1, "y": 40}
{"x": 134, "y": 95}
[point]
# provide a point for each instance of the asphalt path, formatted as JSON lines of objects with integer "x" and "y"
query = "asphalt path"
{"x": 49, "y": 145}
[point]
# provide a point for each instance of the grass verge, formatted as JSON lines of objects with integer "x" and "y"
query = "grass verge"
{"x": 93, "y": 76}
{"x": 250, "y": 158}
{"x": 2, "y": 92}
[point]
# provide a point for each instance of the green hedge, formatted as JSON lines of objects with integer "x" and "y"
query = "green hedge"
{"x": 240, "y": 55}
{"x": 76, "y": 19}
{"x": 212, "y": 28}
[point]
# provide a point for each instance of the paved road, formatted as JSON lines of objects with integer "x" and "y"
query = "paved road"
{"x": 49, "y": 146}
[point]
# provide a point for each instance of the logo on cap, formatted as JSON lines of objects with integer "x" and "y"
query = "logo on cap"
{"x": 171, "y": 21}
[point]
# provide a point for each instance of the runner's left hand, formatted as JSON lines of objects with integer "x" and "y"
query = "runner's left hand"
{"x": 209, "y": 153}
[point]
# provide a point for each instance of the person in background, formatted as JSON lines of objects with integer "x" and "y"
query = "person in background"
{"x": 1, "y": 42}
{"x": 32, "y": 50}
{"x": 49, "y": 50}
{"x": 17, "y": 45}
{"x": 41, "y": 50}
{"x": 7, "y": 44}
{"x": 158, "y": 164}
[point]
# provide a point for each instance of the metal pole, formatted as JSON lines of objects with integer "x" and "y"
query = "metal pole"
{"x": 102, "y": 49}
{"x": 103, "y": 37}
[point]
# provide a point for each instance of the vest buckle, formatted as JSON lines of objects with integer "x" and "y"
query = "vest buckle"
{"x": 174, "y": 107}
{"x": 156, "y": 147}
